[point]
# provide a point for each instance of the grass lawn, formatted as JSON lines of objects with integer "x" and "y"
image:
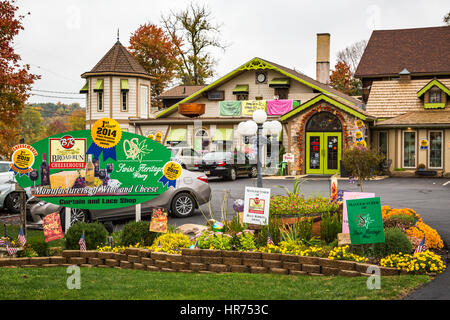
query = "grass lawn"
{"x": 99, "y": 283}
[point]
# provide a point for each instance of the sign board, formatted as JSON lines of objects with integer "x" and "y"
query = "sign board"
{"x": 424, "y": 144}
{"x": 218, "y": 95}
{"x": 365, "y": 221}
{"x": 256, "y": 205}
{"x": 159, "y": 221}
{"x": 288, "y": 157}
{"x": 349, "y": 196}
{"x": 102, "y": 168}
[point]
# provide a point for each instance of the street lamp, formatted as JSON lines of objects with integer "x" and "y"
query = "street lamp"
{"x": 255, "y": 126}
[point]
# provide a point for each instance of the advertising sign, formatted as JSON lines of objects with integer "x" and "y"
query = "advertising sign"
{"x": 333, "y": 188}
{"x": 348, "y": 196}
{"x": 51, "y": 224}
{"x": 159, "y": 221}
{"x": 365, "y": 221}
{"x": 256, "y": 205}
{"x": 102, "y": 168}
{"x": 288, "y": 157}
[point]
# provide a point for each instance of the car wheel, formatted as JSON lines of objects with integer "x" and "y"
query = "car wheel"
{"x": 76, "y": 215}
{"x": 12, "y": 202}
{"x": 183, "y": 205}
{"x": 253, "y": 172}
{"x": 232, "y": 175}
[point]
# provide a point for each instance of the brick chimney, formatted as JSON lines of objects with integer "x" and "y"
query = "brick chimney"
{"x": 323, "y": 58}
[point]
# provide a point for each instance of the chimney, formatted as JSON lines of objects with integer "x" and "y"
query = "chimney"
{"x": 323, "y": 58}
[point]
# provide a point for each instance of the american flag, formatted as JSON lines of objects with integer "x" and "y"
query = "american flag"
{"x": 421, "y": 247}
{"x": 2, "y": 241}
{"x": 159, "y": 243}
{"x": 11, "y": 250}
{"x": 269, "y": 238}
{"x": 196, "y": 245}
{"x": 82, "y": 243}
{"x": 22, "y": 238}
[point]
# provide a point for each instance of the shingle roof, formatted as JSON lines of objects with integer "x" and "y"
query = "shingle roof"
{"x": 420, "y": 50}
{"x": 180, "y": 91}
{"x": 418, "y": 118}
{"x": 118, "y": 60}
{"x": 392, "y": 98}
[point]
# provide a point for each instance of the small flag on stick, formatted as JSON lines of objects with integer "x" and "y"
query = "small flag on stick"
{"x": 21, "y": 238}
{"x": 82, "y": 243}
{"x": 421, "y": 247}
{"x": 269, "y": 238}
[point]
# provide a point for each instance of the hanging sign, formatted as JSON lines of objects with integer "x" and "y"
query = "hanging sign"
{"x": 288, "y": 157}
{"x": 51, "y": 225}
{"x": 158, "y": 136}
{"x": 102, "y": 168}
{"x": 256, "y": 205}
{"x": 250, "y": 106}
{"x": 365, "y": 221}
{"x": 424, "y": 144}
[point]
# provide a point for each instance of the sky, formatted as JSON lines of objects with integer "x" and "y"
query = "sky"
{"x": 63, "y": 39}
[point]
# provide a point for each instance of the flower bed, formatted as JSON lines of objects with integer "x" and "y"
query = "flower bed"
{"x": 298, "y": 205}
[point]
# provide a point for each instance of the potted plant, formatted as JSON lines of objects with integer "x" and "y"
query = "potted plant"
{"x": 421, "y": 167}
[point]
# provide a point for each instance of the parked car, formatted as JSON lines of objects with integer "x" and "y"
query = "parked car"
{"x": 9, "y": 198}
{"x": 192, "y": 190}
{"x": 228, "y": 165}
{"x": 187, "y": 156}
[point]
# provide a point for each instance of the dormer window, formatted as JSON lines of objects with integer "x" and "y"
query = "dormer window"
{"x": 435, "y": 95}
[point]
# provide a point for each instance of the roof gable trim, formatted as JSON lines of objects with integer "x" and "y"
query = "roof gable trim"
{"x": 431, "y": 84}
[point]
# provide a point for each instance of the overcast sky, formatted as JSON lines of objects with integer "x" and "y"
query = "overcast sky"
{"x": 62, "y": 39}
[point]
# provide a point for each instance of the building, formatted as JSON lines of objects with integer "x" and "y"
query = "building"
{"x": 176, "y": 94}
{"x": 406, "y": 86}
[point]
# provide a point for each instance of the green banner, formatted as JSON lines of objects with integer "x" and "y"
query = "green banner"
{"x": 230, "y": 108}
{"x": 83, "y": 169}
{"x": 365, "y": 221}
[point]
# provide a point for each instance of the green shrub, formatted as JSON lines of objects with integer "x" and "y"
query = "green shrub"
{"x": 330, "y": 226}
{"x": 245, "y": 241}
{"x": 304, "y": 229}
{"x": 402, "y": 221}
{"x": 137, "y": 232}
{"x": 39, "y": 246}
{"x": 396, "y": 241}
{"x": 27, "y": 252}
{"x": 95, "y": 235}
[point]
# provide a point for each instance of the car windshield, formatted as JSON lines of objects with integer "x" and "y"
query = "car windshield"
{"x": 217, "y": 155}
{"x": 4, "y": 167}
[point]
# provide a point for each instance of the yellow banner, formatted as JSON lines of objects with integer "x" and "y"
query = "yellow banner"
{"x": 250, "y": 106}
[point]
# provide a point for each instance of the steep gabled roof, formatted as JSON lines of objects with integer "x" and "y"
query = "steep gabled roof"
{"x": 432, "y": 83}
{"x": 258, "y": 63}
{"x": 117, "y": 60}
{"x": 419, "y": 50}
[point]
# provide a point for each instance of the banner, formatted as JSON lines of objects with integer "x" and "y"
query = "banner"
{"x": 230, "y": 108}
{"x": 250, "y": 106}
{"x": 102, "y": 168}
{"x": 159, "y": 221}
{"x": 51, "y": 224}
{"x": 256, "y": 205}
{"x": 365, "y": 221}
{"x": 350, "y": 196}
{"x": 278, "y": 107}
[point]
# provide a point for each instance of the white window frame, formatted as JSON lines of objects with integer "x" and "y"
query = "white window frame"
{"x": 387, "y": 141}
{"x": 102, "y": 100}
{"x": 122, "y": 101}
{"x": 442, "y": 149}
{"x": 415, "y": 149}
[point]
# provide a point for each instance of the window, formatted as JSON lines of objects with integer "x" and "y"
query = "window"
{"x": 435, "y": 150}
{"x": 324, "y": 121}
{"x": 409, "y": 149}
{"x": 435, "y": 95}
{"x": 124, "y": 101}
{"x": 100, "y": 101}
{"x": 383, "y": 142}
{"x": 282, "y": 93}
{"x": 201, "y": 140}
{"x": 242, "y": 96}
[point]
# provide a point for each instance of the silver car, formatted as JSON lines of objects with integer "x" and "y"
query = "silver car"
{"x": 9, "y": 198}
{"x": 192, "y": 190}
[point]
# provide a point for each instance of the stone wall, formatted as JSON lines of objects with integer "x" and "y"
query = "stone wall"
{"x": 202, "y": 261}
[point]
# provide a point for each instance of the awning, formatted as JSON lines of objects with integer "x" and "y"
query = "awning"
{"x": 280, "y": 83}
{"x": 85, "y": 88}
{"x": 98, "y": 85}
{"x": 223, "y": 134}
{"x": 178, "y": 134}
{"x": 124, "y": 85}
{"x": 240, "y": 89}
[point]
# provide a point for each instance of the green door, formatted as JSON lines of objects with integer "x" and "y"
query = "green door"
{"x": 323, "y": 152}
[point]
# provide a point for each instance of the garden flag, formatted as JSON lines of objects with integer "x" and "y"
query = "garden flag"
{"x": 22, "y": 238}
{"x": 159, "y": 243}
{"x": 196, "y": 244}
{"x": 10, "y": 250}
{"x": 421, "y": 246}
{"x": 82, "y": 243}
{"x": 269, "y": 238}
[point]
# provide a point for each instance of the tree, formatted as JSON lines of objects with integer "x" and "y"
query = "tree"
{"x": 446, "y": 19}
{"x": 362, "y": 162}
{"x": 157, "y": 52}
{"x": 198, "y": 34}
{"x": 56, "y": 126}
{"x": 15, "y": 78}
{"x": 352, "y": 54}
{"x": 31, "y": 124}
{"x": 341, "y": 79}
{"x": 77, "y": 120}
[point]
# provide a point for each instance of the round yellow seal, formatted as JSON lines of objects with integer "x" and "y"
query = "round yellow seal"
{"x": 151, "y": 136}
{"x": 172, "y": 170}
{"x": 106, "y": 133}
{"x": 23, "y": 158}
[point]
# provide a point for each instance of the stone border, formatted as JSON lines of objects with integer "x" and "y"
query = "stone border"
{"x": 203, "y": 261}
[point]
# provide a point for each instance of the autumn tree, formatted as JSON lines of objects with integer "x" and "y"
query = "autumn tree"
{"x": 31, "y": 124}
{"x": 341, "y": 79}
{"x": 199, "y": 34}
{"x": 158, "y": 53}
{"x": 77, "y": 120}
{"x": 15, "y": 78}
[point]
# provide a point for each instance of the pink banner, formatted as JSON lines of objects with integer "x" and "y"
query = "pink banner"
{"x": 278, "y": 107}
{"x": 351, "y": 196}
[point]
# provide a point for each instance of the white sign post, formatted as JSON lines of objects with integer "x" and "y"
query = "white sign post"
{"x": 138, "y": 212}
{"x": 256, "y": 205}
{"x": 68, "y": 213}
